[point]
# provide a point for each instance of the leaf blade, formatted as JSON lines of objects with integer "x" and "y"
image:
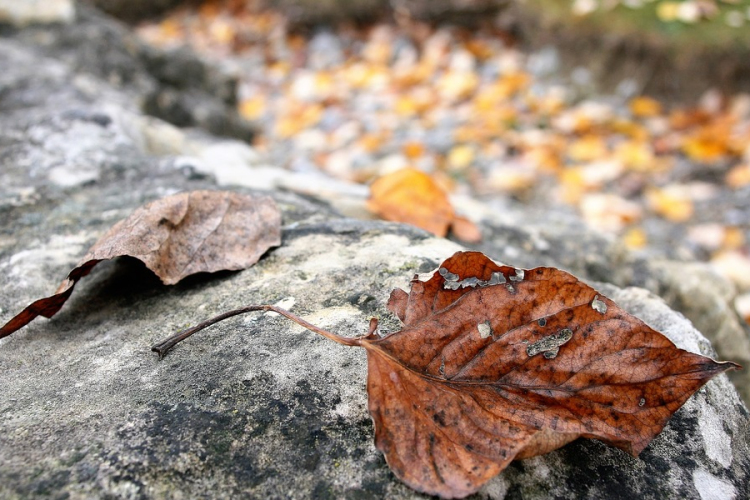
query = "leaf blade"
{"x": 466, "y": 349}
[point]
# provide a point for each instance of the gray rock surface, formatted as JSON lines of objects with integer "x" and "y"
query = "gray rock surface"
{"x": 175, "y": 86}
{"x": 255, "y": 407}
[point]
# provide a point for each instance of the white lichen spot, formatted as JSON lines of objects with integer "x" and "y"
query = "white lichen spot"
{"x": 497, "y": 278}
{"x": 285, "y": 303}
{"x": 469, "y": 282}
{"x": 550, "y": 345}
{"x": 717, "y": 441}
{"x": 642, "y": 402}
{"x": 510, "y": 288}
{"x": 598, "y": 306}
{"x": 711, "y": 487}
{"x": 518, "y": 276}
{"x": 447, "y": 275}
{"x": 485, "y": 330}
{"x": 552, "y": 353}
{"x": 452, "y": 283}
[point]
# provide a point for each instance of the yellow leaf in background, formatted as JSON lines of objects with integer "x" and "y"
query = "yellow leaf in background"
{"x": 638, "y": 156}
{"x": 672, "y": 203}
{"x": 324, "y": 84}
{"x": 668, "y": 11}
{"x": 221, "y": 32}
{"x": 406, "y": 106}
{"x": 279, "y": 70}
{"x": 298, "y": 118}
{"x": 634, "y": 130}
{"x": 635, "y": 238}
{"x": 738, "y": 176}
{"x": 253, "y": 108}
{"x": 360, "y": 75}
{"x": 587, "y": 148}
{"x": 543, "y": 159}
{"x": 644, "y": 107}
{"x": 457, "y": 85}
{"x": 572, "y": 185}
{"x": 460, "y": 157}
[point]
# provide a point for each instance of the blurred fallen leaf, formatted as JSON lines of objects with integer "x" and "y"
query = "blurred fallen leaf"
{"x": 587, "y": 148}
{"x": 643, "y": 107}
{"x": 460, "y": 157}
{"x": 411, "y": 196}
{"x": 673, "y": 203}
{"x": 635, "y": 238}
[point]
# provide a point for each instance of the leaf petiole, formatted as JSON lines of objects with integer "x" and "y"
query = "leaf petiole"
{"x": 164, "y": 346}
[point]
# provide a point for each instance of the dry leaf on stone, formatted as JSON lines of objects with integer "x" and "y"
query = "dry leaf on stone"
{"x": 411, "y": 196}
{"x": 176, "y": 236}
{"x": 496, "y": 363}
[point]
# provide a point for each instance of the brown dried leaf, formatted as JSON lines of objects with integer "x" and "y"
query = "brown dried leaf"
{"x": 183, "y": 234}
{"x": 496, "y": 363}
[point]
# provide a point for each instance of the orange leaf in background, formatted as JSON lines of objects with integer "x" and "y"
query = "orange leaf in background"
{"x": 682, "y": 119}
{"x": 411, "y": 196}
{"x": 633, "y": 130}
{"x": 708, "y": 144}
{"x": 644, "y": 107}
{"x": 413, "y": 149}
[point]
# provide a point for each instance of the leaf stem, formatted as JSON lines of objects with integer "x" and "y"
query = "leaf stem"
{"x": 164, "y": 346}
